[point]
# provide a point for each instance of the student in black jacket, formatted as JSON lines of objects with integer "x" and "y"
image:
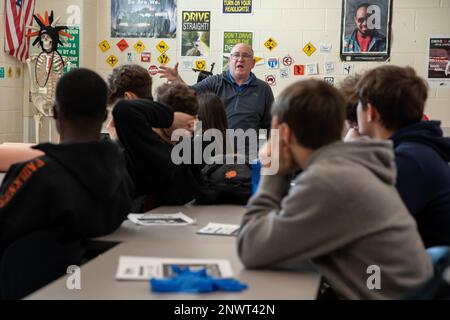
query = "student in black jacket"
{"x": 144, "y": 128}
{"x": 79, "y": 188}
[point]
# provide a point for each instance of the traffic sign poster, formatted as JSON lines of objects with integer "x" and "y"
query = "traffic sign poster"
{"x": 439, "y": 61}
{"x": 195, "y": 36}
{"x": 237, "y": 6}
{"x": 230, "y": 39}
{"x": 71, "y": 49}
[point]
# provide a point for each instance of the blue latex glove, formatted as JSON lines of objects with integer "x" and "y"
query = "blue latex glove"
{"x": 188, "y": 281}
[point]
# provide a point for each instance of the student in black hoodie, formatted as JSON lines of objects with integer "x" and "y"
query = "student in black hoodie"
{"x": 79, "y": 188}
{"x": 144, "y": 128}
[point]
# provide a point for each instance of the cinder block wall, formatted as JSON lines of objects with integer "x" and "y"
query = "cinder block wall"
{"x": 292, "y": 23}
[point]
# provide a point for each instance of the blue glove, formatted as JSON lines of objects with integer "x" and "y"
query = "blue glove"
{"x": 188, "y": 281}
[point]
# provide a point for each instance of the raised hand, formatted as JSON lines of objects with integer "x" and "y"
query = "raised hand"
{"x": 171, "y": 74}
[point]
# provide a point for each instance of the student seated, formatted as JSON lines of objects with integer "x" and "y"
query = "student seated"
{"x": 211, "y": 116}
{"x": 342, "y": 212}
{"x": 77, "y": 189}
{"x": 144, "y": 129}
{"x": 392, "y": 102}
{"x": 11, "y": 153}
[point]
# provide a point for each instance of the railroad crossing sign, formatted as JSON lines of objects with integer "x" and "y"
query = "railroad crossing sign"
{"x": 112, "y": 60}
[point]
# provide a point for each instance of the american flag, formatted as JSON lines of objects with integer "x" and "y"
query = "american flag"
{"x": 19, "y": 15}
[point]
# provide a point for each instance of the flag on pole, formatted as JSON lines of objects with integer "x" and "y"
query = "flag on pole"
{"x": 19, "y": 15}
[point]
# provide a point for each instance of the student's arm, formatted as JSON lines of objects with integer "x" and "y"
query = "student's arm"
{"x": 149, "y": 161}
{"x": 283, "y": 224}
{"x": 134, "y": 122}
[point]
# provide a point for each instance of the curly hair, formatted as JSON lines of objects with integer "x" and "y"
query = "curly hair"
{"x": 132, "y": 78}
{"x": 180, "y": 97}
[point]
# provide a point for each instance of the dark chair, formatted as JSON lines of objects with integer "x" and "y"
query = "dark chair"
{"x": 34, "y": 261}
{"x": 438, "y": 287}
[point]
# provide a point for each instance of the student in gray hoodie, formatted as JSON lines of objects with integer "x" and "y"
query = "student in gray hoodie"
{"x": 343, "y": 212}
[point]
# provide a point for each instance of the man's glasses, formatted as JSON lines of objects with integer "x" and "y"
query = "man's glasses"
{"x": 238, "y": 55}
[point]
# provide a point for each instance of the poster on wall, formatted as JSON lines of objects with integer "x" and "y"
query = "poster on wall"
{"x": 237, "y": 6}
{"x": 366, "y": 30}
{"x": 143, "y": 18}
{"x": 439, "y": 61}
{"x": 71, "y": 49}
{"x": 230, "y": 39}
{"x": 195, "y": 36}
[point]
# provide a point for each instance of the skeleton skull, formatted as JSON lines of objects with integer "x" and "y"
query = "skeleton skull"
{"x": 47, "y": 42}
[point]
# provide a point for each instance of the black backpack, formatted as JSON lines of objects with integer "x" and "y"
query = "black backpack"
{"x": 226, "y": 183}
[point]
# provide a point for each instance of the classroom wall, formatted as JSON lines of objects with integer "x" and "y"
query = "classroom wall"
{"x": 11, "y": 92}
{"x": 292, "y": 23}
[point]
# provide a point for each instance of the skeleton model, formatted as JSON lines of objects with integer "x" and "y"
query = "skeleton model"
{"x": 45, "y": 68}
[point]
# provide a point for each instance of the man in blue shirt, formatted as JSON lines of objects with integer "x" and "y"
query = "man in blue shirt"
{"x": 247, "y": 99}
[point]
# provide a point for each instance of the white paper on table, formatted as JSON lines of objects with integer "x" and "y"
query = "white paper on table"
{"x": 160, "y": 219}
{"x": 146, "y": 268}
{"x": 220, "y": 229}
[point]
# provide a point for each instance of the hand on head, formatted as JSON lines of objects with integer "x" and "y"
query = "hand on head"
{"x": 278, "y": 150}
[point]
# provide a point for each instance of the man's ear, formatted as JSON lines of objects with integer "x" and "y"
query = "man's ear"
{"x": 128, "y": 95}
{"x": 285, "y": 133}
{"x": 372, "y": 113}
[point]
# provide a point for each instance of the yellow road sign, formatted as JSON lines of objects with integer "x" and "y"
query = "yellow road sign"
{"x": 163, "y": 59}
{"x": 139, "y": 46}
{"x": 112, "y": 60}
{"x": 104, "y": 46}
{"x": 200, "y": 65}
{"x": 162, "y": 46}
{"x": 270, "y": 44}
{"x": 309, "y": 49}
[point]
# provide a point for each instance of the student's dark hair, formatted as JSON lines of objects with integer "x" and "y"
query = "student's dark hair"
{"x": 132, "y": 78}
{"x": 81, "y": 94}
{"x": 398, "y": 94}
{"x": 314, "y": 110}
{"x": 211, "y": 112}
{"x": 180, "y": 97}
{"x": 350, "y": 94}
